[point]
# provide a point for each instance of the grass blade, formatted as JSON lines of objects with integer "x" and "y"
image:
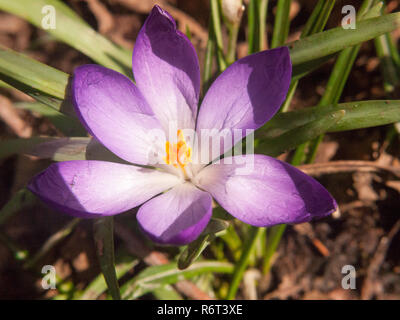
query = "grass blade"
{"x": 216, "y": 22}
{"x": 328, "y": 42}
{"x": 262, "y": 27}
{"x": 287, "y": 129}
{"x": 341, "y": 71}
{"x": 66, "y": 124}
{"x": 273, "y": 239}
{"x": 155, "y": 276}
{"x": 295, "y": 137}
{"x": 67, "y": 26}
{"x": 104, "y": 240}
{"x": 281, "y": 24}
{"x": 99, "y": 286}
{"x": 57, "y": 149}
{"x": 208, "y": 60}
{"x": 316, "y": 23}
{"x": 252, "y": 21}
{"x": 32, "y": 77}
{"x": 166, "y": 293}
{"x": 240, "y": 267}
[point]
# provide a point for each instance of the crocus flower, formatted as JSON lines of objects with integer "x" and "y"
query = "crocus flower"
{"x": 175, "y": 196}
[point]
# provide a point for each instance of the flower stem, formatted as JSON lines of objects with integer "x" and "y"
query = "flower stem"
{"x": 252, "y": 40}
{"x": 216, "y": 20}
{"x": 104, "y": 241}
{"x": 208, "y": 60}
{"x": 262, "y": 27}
{"x": 257, "y": 25}
{"x": 233, "y": 34}
{"x": 281, "y": 24}
{"x": 240, "y": 267}
{"x": 275, "y": 234}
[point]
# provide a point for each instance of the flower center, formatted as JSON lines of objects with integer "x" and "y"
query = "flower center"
{"x": 178, "y": 154}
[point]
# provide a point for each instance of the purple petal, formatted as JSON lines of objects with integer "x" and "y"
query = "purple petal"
{"x": 114, "y": 111}
{"x": 97, "y": 188}
{"x": 166, "y": 70}
{"x": 247, "y": 94}
{"x": 267, "y": 193}
{"x": 176, "y": 217}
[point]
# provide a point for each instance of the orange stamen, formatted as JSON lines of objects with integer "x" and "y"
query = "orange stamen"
{"x": 178, "y": 154}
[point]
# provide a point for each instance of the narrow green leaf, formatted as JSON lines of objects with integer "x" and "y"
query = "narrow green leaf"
{"x": 216, "y": 22}
{"x": 216, "y": 226}
{"x": 166, "y": 293}
{"x": 233, "y": 242}
{"x": 32, "y": 77}
{"x": 98, "y": 285}
{"x": 293, "y": 138}
{"x": 257, "y": 25}
{"x": 262, "y": 9}
{"x": 331, "y": 95}
{"x": 394, "y": 52}
{"x": 193, "y": 250}
{"x": 71, "y": 29}
{"x": 155, "y": 276}
{"x": 316, "y": 23}
{"x": 252, "y": 21}
{"x": 232, "y": 43}
{"x": 388, "y": 66}
{"x": 358, "y": 115}
{"x": 104, "y": 241}
{"x": 273, "y": 238}
{"x": 208, "y": 59}
{"x": 5, "y": 85}
{"x": 328, "y": 42}
{"x": 341, "y": 72}
{"x": 57, "y": 149}
{"x": 67, "y": 125}
{"x": 240, "y": 266}
{"x": 281, "y": 24}
{"x": 367, "y": 114}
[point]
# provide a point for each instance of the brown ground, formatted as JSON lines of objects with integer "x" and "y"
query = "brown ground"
{"x": 310, "y": 258}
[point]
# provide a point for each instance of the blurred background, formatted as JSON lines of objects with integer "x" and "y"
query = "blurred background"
{"x": 310, "y": 257}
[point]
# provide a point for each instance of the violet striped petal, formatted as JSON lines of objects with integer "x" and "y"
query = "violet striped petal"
{"x": 246, "y": 95}
{"x": 176, "y": 217}
{"x": 267, "y": 193}
{"x": 166, "y": 70}
{"x": 115, "y": 112}
{"x": 97, "y": 188}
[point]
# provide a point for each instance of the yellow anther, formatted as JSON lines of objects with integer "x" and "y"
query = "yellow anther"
{"x": 178, "y": 154}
